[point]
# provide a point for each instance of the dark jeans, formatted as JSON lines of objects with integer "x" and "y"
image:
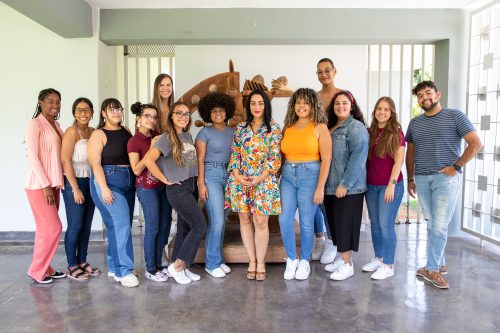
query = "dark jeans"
{"x": 79, "y": 218}
{"x": 191, "y": 224}
{"x": 157, "y": 218}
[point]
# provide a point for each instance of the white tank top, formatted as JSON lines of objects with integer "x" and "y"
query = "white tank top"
{"x": 80, "y": 161}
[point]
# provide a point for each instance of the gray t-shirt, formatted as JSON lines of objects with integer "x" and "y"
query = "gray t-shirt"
{"x": 166, "y": 162}
{"x": 218, "y": 143}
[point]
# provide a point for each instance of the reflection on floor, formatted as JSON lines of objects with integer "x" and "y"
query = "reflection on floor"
{"x": 233, "y": 304}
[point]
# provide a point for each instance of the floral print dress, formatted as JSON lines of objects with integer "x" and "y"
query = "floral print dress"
{"x": 251, "y": 154}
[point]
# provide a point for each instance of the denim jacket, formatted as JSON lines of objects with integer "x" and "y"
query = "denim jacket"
{"x": 350, "y": 150}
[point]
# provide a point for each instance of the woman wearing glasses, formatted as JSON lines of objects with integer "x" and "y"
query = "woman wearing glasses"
{"x": 150, "y": 191}
{"x": 77, "y": 200}
{"x": 173, "y": 161}
{"x": 112, "y": 188}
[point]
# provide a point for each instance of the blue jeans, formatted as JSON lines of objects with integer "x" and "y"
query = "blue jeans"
{"x": 117, "y": 217}
{"x": 438, "y": 196}
{"x": 320, "y": 222}
{"x": 297, "y": 185}
{"x": 215, "y": 180}
{"x": 79, "y": 218}
{"x": 157, "y": 219}
{"x": 382, "y": 219}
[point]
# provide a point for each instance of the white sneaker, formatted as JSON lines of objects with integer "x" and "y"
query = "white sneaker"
{"x": 225, "y": 268}
{"x": 216, "y": 273}
{"x": 329, "y": 252}
{"x": 157, "y": 277}
{"x": 383, "y": 273}
{"x": 191, "y": 275}
{"x": 111, "y": 274}
{"x": 291, "y": 268}
{"x": 128, "y": 281}
{"x": 333, "y": 266}
{"x": 165, "y": 272}
{"x": 343, "y": 272}
{"x": 179, "y": 277}
{"x": 318, "y": 245}
{"x": 373, "y": 265}
{"x": 303, "y": 270}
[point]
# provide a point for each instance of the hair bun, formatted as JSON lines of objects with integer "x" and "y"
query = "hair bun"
{"x": 136, "y": 107}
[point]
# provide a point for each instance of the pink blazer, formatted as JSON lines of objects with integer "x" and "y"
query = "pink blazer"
{"x": 43, "y": 146}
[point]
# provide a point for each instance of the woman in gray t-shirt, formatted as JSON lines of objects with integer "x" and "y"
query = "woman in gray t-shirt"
{"x": 213, "y": 145}
{"x": 173, "y": 161}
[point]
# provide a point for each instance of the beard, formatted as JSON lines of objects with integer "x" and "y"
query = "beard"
{"x": 430, "y": 107}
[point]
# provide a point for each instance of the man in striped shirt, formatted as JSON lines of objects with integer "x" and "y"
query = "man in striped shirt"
{"x": 434, "y": 164}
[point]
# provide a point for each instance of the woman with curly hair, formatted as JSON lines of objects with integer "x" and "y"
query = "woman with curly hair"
{"x": 307, "y": 148}
{"x": 346, "y": 183}
{"x": 213, "y": 147}
{"x": 172, "y": 160}
{"x": 385, "y": 185}
{"x": 253, "y": 186}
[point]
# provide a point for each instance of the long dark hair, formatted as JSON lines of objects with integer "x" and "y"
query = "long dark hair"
{"x": 172, "y": 134}
{"x": 108, "y": 102}
{"x": 355, "y": 110}
{"x": 390, "y": 140}
{"x": 42, "y": 95}
{"x": 156, "y": 92}
{"x": 268, "y": 113}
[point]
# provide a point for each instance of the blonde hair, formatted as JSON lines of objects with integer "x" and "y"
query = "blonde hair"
{"x": 309, "y": 96}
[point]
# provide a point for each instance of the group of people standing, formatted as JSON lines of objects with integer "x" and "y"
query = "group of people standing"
{"x": 324, "y": 163}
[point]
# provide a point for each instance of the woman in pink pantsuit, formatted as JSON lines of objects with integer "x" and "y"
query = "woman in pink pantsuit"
{"x": 43, "y": 183}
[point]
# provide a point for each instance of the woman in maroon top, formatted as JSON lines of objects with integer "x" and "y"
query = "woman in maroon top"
{"x": 150, "y": 191}
{"x": 385, "y": 185}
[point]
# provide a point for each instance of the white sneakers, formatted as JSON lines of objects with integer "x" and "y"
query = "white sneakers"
{"x": 373, "y": 265}
{"x": 318, "y": 245}
{"x": 344, "y": 270}
{"x": 333, "y": 266}
{"x": 128, "y": 281}
{"x": 303, "y": 270}
{"x": 329, "y": 252}
{"x": 179, "y": 277}
{"x": 291, "y": 268}
{"x": 216, "y": 273}
{"x": 383, "y": 273}
{"x": 191, "y": 275}
{"x": 225, "y": 268}
{"x": 157, "y": 277}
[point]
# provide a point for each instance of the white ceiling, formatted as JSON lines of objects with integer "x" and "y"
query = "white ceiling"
{"x": 287, "y": 3}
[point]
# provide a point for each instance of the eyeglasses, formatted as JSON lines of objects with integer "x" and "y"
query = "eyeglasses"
{"x": 115, "y": 110}
{"x": 217, "y": 110}
{"x": 325, "y": 71}
{"x": 149, "y": 117}
{"x": 80, "y": 111}
{"x": 180, "y": 114}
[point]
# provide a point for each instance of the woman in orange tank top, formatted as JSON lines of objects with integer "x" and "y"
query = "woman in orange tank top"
{"x": 307, "y": 149}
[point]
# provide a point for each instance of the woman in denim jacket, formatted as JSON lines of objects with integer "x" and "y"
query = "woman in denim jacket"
{"x": 346, "y": 183}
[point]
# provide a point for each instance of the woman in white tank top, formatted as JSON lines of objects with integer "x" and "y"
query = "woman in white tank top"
{"x": 77, "y": 200}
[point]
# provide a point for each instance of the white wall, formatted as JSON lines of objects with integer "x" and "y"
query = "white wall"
{"x": 298, "y": 63}
{"x": 34, "y": 58}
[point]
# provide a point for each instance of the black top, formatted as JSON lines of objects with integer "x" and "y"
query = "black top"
{"x": 115, "y": 150}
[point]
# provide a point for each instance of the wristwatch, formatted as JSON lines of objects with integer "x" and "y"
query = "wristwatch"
{"x": 394, "y": 181}
{"x": 410, "y": 180}
{"x": 457, "y": 167}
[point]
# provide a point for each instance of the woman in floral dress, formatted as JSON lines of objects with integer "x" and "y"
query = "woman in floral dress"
{"x": 253, "y": 186}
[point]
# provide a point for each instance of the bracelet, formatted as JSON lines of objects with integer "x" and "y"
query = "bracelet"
{"x": 410, "y": 180}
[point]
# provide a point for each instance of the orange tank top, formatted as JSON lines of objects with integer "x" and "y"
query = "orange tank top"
{"x": 300, "y": 144}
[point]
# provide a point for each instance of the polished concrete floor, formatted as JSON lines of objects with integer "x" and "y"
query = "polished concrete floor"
{"x": 233, "y": 304}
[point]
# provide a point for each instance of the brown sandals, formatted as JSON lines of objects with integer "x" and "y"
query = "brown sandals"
{"x": 260, "y": 276}
{"x": 92, "y": 271}
{"x": 77, "y": 273}
{"x": 251, "y": 274}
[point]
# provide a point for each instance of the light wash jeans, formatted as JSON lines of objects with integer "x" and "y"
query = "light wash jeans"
{"x": 215, "y": 180}
{"x": 117, "y": 217}
{"x": 297, "y": 185}
{"x": 382, "y": 219}
{"x": 157, "y": 220}
{"x": 438, "y": 196}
